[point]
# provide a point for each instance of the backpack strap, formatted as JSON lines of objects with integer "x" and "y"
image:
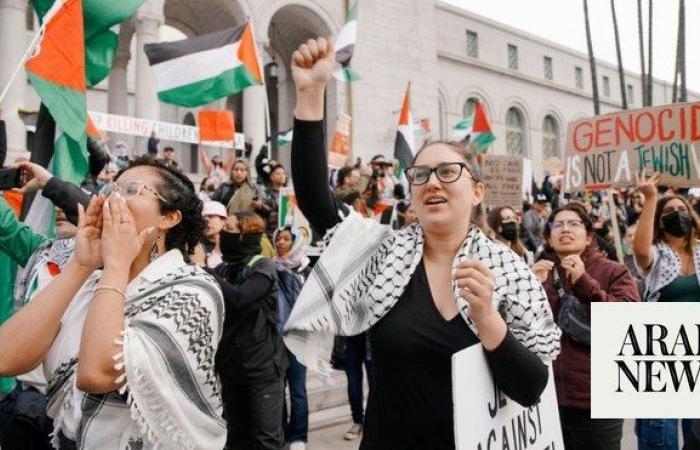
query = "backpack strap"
{"x": 253, "y": 260}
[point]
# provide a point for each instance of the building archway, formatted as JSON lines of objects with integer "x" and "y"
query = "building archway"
{"x": 290, "y": 26}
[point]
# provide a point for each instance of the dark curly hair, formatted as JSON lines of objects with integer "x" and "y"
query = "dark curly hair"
{"x": 180, "y": 195}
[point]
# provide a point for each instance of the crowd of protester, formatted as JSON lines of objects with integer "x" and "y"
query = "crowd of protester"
{"x": 156, "y": 315}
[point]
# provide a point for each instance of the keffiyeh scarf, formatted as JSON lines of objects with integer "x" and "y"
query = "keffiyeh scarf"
{"x": 51, "y": 255}
{"x": 365, "y": 268}
{"x": 171, "y": 398}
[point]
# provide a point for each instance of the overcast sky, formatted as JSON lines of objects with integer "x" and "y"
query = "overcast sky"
{"x": 562, "y": 21}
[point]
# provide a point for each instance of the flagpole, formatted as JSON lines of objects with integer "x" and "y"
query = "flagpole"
{"x": 24, "y": 58}
{"x": 262, "y": 79}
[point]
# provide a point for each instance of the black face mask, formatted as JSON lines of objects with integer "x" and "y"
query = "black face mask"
{"x": 677, "y": 223}
{"x": 509, "y": 230}
{"x": 235, "y": 247}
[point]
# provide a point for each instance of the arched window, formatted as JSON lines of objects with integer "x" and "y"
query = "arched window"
{"x": 550, "y": 138}
{"x": 469, "y": 107}
{"x": 515, "y": 134}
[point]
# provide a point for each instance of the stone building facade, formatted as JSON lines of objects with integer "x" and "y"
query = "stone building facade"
{"x": 531, "y": 87}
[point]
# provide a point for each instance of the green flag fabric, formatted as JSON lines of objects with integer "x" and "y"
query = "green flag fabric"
{"x": 100, "y": 41}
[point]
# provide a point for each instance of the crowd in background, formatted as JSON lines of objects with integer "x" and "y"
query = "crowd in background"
{"x": 234, "y": 234}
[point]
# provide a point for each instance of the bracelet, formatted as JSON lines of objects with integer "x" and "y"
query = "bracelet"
{"x": 108, "y": 288}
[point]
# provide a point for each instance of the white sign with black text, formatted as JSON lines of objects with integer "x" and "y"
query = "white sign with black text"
{"x": 486, "y": 419}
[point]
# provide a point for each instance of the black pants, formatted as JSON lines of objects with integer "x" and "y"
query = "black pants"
{"x": 580, "y": 432}
{"x": 254, "y": 415}
{"x": 24, "y": 424}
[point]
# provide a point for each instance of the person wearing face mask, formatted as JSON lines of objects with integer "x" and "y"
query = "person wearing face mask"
{"x": 667, "y": 254}
{"x": 253, "y": 366}
{"x": 504, "y": 223}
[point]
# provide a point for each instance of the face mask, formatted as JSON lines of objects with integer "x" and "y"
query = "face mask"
{"x": 677, "y": 223}
{"x": 509, "y": 230}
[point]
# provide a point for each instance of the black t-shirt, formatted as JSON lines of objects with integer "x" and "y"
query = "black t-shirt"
{"x": 410, "y": 405}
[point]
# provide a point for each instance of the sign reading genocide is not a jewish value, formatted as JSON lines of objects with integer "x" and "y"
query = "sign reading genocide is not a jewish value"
{"x": 486, "y": 419}
{"x": 607, "y": 151}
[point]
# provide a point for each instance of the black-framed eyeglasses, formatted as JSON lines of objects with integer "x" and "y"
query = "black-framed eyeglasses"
{"x": 445, "y": 173}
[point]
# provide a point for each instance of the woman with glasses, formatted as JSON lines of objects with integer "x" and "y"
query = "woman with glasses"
{"x": 505, "y": 224}
{"x": 422, "y": 293}
{"x": 128, "y": 330}
{"x": 573, "y": 266}
{"x": 667, "y": 254}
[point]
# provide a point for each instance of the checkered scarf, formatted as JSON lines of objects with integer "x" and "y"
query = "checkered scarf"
{"x": 365, "y": 268}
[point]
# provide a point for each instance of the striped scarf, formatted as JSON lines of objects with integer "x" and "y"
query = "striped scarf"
{"x": 365, "y": 268}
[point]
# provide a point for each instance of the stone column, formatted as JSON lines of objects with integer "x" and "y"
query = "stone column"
{"x": 118, "y": 100}
{"x": 254, "y": 112}
{"x": 147, "y": 105}
{"x": 13, "y": 43}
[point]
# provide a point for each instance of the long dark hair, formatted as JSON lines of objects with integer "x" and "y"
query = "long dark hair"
{"x": 658, "y": 230}
{"x": 495, "y": 221}
{"x": 180, "y": 195}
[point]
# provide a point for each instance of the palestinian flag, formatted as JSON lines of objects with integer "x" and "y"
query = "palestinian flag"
{"x": 199, "y": 70}
{"x": 345, "y": 45}
{"x": 101, "y": 21}
{"x": 285, "y": 137}
{"x": 404, "y": 144}
{"x": 57, "y": 68}
{"x": 475, "y": 130}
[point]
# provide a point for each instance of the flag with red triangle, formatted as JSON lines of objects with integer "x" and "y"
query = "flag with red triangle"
{"x": 475, "y": 130}
{"x": 196, "y": 71}
{"x": 404, "y": 144}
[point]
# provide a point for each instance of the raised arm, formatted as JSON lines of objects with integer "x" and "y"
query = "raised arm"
{"x": 204, "y": 159}
{"x": 312, "y": 65}
{"x": 644, "y": 236}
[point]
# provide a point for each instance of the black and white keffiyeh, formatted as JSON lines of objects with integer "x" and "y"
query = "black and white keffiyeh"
{"x": 171, "y": 398}
{"x": 365, "y": 268}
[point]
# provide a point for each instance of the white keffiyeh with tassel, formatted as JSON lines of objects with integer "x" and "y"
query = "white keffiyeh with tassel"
{"x": 171, "y": 397}
{"x": 365, "y": 268}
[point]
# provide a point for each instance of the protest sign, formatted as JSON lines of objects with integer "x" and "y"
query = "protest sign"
{"x": 289, "y": 212}
{"x": 166, "y": 131}
{"x": 503, "y": 177}
{"x": 485, "y": 418}
{"x": 340, "y": 146}
{"x": 216, "y": 127}
{"x": 606, "y": 151}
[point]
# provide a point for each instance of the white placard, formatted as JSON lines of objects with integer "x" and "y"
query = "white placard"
{"x": 166, "y": 131}
{"x": 645, "y": 360}
{"x": 486, "y": 419}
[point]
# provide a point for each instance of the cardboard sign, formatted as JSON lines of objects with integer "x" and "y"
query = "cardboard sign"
{"x": 503, "y": 177}
{"x": 166, "y": 131}
{"x": 486, "y": 419}
{"x": 340, "y": 146}
{"x": 606, "y": 151}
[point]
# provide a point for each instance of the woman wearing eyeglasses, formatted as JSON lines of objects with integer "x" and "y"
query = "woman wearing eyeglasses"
{"x": 422, "y": 293}
{"x": 667, "y": 254}
{"x": 127, "y": 332}
{"x": 572, "y": 265}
